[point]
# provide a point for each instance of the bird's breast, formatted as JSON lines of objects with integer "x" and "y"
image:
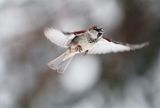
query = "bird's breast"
{"x": 83, "y": 42}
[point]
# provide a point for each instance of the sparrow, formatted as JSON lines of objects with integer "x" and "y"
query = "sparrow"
{"x": 89, "y": 41}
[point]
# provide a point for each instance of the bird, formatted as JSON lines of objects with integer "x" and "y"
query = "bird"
{"x": 87, "y": 41}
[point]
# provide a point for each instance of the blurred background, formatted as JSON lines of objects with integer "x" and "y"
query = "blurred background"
{"x": 123, "y": 80}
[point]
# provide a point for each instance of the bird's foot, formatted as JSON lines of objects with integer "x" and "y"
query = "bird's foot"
{"x": 85, "y": 52}
{"x": 79, "y": 48}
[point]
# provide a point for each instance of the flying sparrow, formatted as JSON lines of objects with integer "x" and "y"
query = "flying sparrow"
{"x": 88, "y": 41}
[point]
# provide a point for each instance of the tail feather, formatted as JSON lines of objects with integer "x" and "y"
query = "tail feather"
{"x": 60, "y": 63}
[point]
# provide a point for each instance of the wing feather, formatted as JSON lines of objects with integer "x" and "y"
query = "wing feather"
{"x": 104, "y": 46}
{"x": 58, "y": 38}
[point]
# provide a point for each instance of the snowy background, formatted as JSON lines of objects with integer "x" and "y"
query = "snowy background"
{"x": 123, "y": 80}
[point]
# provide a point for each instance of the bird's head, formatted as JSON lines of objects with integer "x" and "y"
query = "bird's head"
{"x": 97, "y": 32}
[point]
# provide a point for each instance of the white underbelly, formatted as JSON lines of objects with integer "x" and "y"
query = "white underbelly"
{"x": 85, "y": 45}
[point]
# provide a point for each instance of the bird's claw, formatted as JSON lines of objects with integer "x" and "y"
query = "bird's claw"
{"x": 85, "y": 52}
{"x": 79, "y": 48}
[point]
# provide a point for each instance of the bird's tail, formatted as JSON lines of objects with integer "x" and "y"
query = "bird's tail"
{"x": 61, "y": 63}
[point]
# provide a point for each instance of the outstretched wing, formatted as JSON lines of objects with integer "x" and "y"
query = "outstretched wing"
{"x": 104, "y": 46}
{"x": 58, "y": 37}
{"x": 77, "y": 33}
